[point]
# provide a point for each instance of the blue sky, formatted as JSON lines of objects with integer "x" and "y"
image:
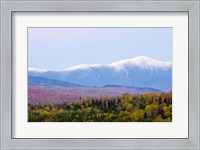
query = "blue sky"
{"x": 59, "y": 48}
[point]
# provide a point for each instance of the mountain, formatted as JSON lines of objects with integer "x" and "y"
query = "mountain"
{"x": 140, "y": 89}
{"x": 41, "y": 81}
{"x": 139, "y": 72}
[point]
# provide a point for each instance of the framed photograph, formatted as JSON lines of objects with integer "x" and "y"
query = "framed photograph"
{"x": 100, "y": 75}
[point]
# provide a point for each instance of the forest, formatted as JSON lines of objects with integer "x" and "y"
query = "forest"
{"x": 149, "y": 107}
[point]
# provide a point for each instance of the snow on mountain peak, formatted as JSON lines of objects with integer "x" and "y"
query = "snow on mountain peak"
{"x": 139, "y": 71}
{"x": 141, "y": 61}
{"x": 82, "y": 66}
{"x": 37, "y": 70}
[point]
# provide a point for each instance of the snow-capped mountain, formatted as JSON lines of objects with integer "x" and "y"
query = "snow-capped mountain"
{"x": 139, "y": 71}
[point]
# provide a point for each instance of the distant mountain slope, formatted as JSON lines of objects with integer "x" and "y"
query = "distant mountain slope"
{"x": 139, "y": 89}
{"x": 139, "y": 72}
{"x": 58, "y": 94}
{"x": 41, "y": 81}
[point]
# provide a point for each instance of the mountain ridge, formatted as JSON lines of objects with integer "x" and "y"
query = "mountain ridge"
{"x": 41, "y": 81}
{"x": 51, "y": 83}
{"x": 140, "y": 72}
{"x": 140, "y": 60}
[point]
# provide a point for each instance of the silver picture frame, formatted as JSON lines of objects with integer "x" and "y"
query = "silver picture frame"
{"x": 8, "y": 7}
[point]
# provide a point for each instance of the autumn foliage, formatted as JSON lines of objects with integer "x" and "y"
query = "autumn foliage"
{"x": 150, "y": 107}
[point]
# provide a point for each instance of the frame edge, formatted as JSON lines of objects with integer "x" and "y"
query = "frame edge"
{"x": 13, "y": 143}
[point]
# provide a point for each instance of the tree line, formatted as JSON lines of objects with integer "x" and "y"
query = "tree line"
{"x": 151, "y": 107}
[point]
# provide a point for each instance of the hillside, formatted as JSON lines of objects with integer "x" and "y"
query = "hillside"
{"x": 41, "y": 81}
